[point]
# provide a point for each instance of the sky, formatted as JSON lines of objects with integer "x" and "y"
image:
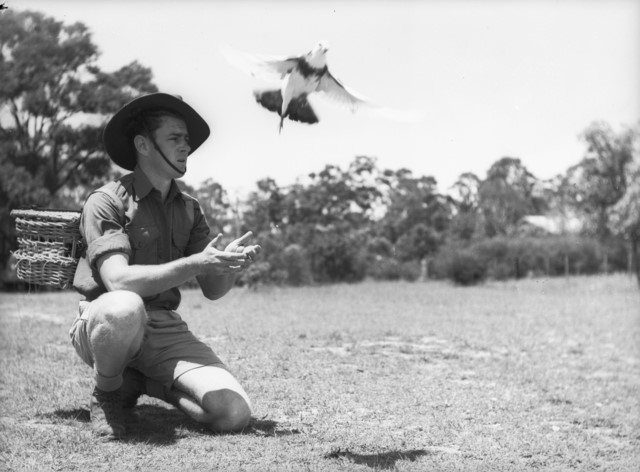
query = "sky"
{"x": 493, "y": 78}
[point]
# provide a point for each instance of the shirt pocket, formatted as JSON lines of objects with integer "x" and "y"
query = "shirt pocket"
{"x": 144, "y": 244}
{"x": 180, "y": 240}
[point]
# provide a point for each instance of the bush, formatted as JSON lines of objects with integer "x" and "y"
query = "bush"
{"x": 256, "y": 274}
{"x": 466, "y": 267}
{"x": 384, "y": 268}
{"x": 295, "y": 264}
{"x": 504, "y": 258}
{"x": 410, "y": 271}
{"x": 337, "y": 258}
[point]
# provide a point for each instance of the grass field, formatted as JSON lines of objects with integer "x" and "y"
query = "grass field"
{"x": 537, "y": 374}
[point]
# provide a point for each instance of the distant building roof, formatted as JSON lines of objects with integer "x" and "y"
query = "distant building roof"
{"x": 555, "y": 224}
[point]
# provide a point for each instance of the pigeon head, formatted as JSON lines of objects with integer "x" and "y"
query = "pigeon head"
{"x": 317, "y": 56}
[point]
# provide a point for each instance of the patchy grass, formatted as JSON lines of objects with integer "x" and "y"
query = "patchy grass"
{"x": 531, "y": 375}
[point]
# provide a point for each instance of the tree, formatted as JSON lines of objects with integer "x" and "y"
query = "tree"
{"x": 265, "y": 210}
{"x": 508, "y": 193}
{"x": 600, "y": 179}
{"x": 54, "y": 101}
{"x": 412, "y": 201}
{"x": 467, "y": 220}
{"x": 335, "y": 196}
{"x": 624, "y": 216}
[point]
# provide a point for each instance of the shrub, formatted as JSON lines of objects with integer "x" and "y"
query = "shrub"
{"x": 256, "y": 274}
{"x": 410, "y": 271}
{"x": 295, "y": 264}
{"x": 337, "y": 258}
{"x": 384, "y": 268}
{"x": 463, "y": 265}
{"x": 466, "y": 267}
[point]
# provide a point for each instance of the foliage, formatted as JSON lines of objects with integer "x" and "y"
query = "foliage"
{"x": 320, "y": 219}
{"x": 53, "y": 104}
{"x": 624, "y": 217}
{"x": 388, "y": 268}
{"x": 214, "y": 204}
{"x": 462, "y": 265}
{"x": 502, "y": 258}
{"x": 509, "y": 193}
{"x": 600, "y": 180}
{"x": 412, "y": 201}
{"x": 295, "y": 262}
{"x": 336, "y": 257}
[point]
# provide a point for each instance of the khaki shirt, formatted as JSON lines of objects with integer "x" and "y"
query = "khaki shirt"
{"x": 139, "y": 224}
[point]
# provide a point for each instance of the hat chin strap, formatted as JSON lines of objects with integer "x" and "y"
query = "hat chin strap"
{"x": 155, "y": 145}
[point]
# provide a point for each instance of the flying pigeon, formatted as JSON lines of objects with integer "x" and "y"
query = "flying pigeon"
{"x": 300, "y": 76}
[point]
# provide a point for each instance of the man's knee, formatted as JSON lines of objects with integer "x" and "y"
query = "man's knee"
{"x": 119, "y": 311}
{"x": 227, "y": 411}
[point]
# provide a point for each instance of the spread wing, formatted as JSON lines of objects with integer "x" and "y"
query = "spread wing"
{"x": 335, "y": 90}
{"x": 267, "y": 68}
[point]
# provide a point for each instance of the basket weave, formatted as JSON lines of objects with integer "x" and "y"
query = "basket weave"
{"x": 49, "y": 245}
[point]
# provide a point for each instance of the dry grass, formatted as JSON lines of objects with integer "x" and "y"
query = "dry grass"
{"x": 529, "y": 375}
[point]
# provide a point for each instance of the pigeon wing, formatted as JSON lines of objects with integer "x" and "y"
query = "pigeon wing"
{"x": 267, "y": 68}
{"x": 335, "y": 90}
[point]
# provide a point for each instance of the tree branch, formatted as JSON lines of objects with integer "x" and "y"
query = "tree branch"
{"x": 61, "y": 182}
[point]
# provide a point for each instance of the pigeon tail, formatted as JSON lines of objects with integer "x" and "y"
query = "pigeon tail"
{"x": 299, "y": 109}
{"x": 270, "y": 99}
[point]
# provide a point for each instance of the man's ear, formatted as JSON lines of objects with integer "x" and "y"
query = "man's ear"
{"x": 141, "y": 144}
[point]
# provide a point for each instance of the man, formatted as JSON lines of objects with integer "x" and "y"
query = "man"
{"x": 144, "y": 238}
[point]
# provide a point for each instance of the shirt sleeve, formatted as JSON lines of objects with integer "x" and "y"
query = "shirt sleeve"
{"x": 102, "y": 228}
{"x": 199, "y": 237}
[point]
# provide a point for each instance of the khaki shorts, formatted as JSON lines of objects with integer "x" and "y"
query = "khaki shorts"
{"x": 169, "y": 349}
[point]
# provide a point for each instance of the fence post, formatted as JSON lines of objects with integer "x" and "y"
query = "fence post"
{"x": 424, "y": 269}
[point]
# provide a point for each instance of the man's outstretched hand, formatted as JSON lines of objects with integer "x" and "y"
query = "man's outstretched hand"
{"x": 240, "y": 246}
{"x": 217, "y": 262}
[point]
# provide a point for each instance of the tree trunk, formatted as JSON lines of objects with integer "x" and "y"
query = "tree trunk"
{"x": 635, "y": 247}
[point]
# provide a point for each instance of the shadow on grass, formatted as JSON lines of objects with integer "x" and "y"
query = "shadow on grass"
{"x": 384, "y": 460}
{"x": 149, "y": 424}
{"x": 262, "y": 427}
{"x": 153, "y": 424}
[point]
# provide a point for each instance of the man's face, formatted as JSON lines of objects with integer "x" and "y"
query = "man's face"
{"x": 172, "y": 137}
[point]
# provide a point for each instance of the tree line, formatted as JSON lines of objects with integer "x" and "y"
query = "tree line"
{"x": 335, "y": 224}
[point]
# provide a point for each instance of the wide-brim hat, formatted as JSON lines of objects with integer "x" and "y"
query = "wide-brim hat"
{"x": 120, "y": 147}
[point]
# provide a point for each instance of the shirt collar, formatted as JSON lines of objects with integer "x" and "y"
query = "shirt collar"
{"x": 174, "y": 191}
{"x": 143, "y": 187}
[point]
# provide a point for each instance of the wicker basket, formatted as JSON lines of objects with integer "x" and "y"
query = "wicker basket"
{"x": 49, "y": 245}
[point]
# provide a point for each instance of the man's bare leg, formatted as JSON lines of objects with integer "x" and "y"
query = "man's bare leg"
{"x": 213, "y": 396}
{"x": 116, "y": 331}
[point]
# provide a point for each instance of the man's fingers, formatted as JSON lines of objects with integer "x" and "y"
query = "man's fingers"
{"x": 244, "y": 238}
{"x": 252, "y": 251}
{"x": 231, "y": 256}
{"x": 215, "y": 240}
